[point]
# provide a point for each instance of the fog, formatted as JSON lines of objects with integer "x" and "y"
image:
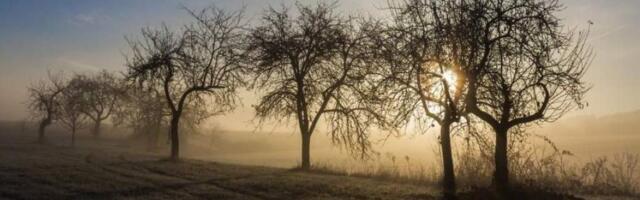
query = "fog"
{"x": 587, "y": 137}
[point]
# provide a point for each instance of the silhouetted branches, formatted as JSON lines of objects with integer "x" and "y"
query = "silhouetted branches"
{"x": 521, "y": 64}
{"x": 204, "y": 60}
{"x": 314, "y": 66}
{"x": 101, "y": 95}
{"x": 72, "y": 107}
{"x": 44, "y": 101}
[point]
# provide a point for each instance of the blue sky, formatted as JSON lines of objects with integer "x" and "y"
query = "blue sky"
{"x": 88, "y": 35}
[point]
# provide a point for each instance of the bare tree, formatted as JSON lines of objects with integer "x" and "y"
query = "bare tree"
{"x": 144, "y": 111}
{"x": 420, "y": 80}
{"x": 522, "y": 66}
{"x": 203, "y": 61}
{"x": 313, "y": 66}
{"x": 44, "y": 101}
{"x": 101, "y": 95}
{"x": 71, "y": 107}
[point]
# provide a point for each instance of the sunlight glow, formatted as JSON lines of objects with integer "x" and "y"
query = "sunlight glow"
{"x": 450, "y": 77}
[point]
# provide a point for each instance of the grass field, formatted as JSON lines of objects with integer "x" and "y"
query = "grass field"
{"x": 30, "y": 171}
{"x": 112, "y": 169}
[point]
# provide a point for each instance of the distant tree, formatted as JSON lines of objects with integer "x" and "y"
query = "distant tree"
{"x": 44, "y": 100}
{"x": 101, "y": 93}
{"x": 144, "y": 111}
{"x": 522, "y": 66}
{"x": 420, "y": 80}
{"x": 205, "y": 60}
{"x": 71, "y": 107}
{"x": 313, "y": 66}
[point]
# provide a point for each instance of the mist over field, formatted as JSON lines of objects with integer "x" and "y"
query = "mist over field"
{"x": 587, "y": 137}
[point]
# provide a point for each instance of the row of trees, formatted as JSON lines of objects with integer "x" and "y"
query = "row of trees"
{"x": 465, "y": 63}
{"x": 84, "y": 100}
{"x": 75, "y": 101}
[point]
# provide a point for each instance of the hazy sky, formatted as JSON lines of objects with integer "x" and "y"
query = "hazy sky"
{"x": 88, "y": 35}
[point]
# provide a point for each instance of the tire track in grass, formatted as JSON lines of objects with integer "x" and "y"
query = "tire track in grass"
{"x": 159, "y": 187}
{"x": 216, "y": 182}
{"x": 156, "y": 185}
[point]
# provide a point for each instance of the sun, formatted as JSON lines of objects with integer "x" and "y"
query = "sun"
{"x": 449, "y": 77}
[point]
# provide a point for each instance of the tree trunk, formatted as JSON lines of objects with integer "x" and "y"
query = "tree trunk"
{"x": 448, "y": 181}
{"x": 175, "y": 140}
{"x": 501, "y": 174}
{"x": 96, "y": 128}
{"x": 306, "y": 142}
{"x": 43, "y": 125}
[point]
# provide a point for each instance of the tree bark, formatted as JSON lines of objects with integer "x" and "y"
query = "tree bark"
{"x": 501, "y": 174}
{"x": 448, "y": 181}
{"x": 43, "y": 125}
{"x": 175, "y": 139}
{"x": 306, "y": 158}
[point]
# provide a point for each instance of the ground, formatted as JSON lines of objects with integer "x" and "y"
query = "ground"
{"x": 32, "y": 171}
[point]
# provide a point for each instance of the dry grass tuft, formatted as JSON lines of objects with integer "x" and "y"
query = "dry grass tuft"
{"x": 532, "y": 165}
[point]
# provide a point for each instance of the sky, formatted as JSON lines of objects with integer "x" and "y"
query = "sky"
{"x": 88, "y": 35}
